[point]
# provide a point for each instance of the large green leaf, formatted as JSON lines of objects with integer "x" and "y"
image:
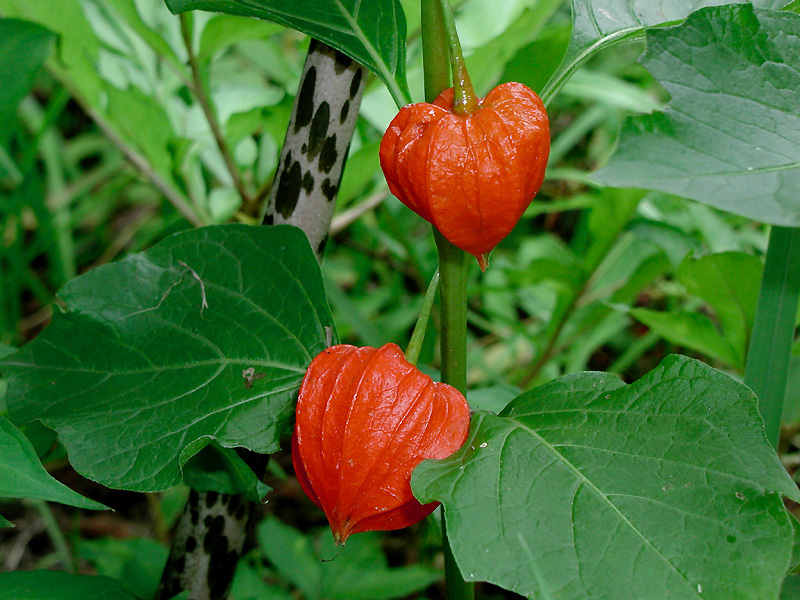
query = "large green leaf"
{"x": 730, "y": 137}
{"x": 23, "y": 476}
{"x": 586, "y": 488}
{"x": 23, "y": 48}
{"x": 599, "y": 24}
{"x": 373, "y": 33}
{"x": 204, "y": 336}
{"x": 57, "y": 585}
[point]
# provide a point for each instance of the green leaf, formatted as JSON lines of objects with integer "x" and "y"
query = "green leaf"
{"x": 222, "y": 31}
{"x": 586, "y": 488}
{"x": 24, "y": 47}
{"x": 250, "y": 583}
{"x": 58, "y": 585}
{"x": 600, "y": 24}
{"x": 217, "y": 469}
{"x": 129, "y": 12}
{"x": 360, "y": 571}
{"x": 728, "y": 282}
{"x": 136, "y": 563}
{"x": 791, "y": 588}
{"x": 691, "y": 330}
{"x": 291, "y": 553}
{"x": 23, "y": 476}
{"x": 729, "y": 137}
{"x": 144, "y": 122}
{"x": 78, "y": 48}
{"x": 770, "y": 354}
{"x": 795, "y": 562}
{"x": 206, "y": 336}
{"x": 373, "y": 33}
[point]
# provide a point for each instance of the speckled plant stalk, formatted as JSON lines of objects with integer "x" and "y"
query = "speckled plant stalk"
{"x": 438, "y": 47}
{"x": 314, "y": 151}
{"x": 211, "y": 532}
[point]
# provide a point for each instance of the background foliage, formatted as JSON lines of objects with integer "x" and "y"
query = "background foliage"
{"x": 108, "y": 145}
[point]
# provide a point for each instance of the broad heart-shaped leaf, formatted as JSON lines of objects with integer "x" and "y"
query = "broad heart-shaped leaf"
{"x": 599, "y": 24}
{"x": 205, "y": 336}
{"x": 371, "y": 32}
{"x": 58, "y": 585}
{"x": 23, "y": 476}
{"x": 23, "y": 48}
{"x": 588, "y": 489}
{"x": 730, "y": 137}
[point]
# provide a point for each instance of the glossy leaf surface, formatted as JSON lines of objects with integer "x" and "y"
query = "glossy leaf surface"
{"x": 204, "y": 336}
{"x": 372, "y": 33}
{"x": 586, "y": 488}
{"x": 730, "y": 137}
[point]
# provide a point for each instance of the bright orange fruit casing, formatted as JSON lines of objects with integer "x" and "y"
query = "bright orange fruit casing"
{"x": 470, "y": 175}
{"x": 365, "y": 419}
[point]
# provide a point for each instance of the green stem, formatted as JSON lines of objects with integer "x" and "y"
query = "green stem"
{"x": 770, "y": 349}
{"x": 465, "y": 100}
{"x": 452, "y": 268}
{"x": 415, "y": 345}
{"x": 435, "y": 56}
{"x": 204, "y": 99}
{"x": 453, "y": 297}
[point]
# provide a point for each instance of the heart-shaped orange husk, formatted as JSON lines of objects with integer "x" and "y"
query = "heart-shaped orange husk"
{"x": 470, "y": 175}
{"x": 365, "y": 419}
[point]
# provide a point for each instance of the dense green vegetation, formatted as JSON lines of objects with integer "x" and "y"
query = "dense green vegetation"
{"x": 673, "y": 169}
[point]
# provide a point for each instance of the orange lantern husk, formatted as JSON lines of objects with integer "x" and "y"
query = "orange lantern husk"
{"x": 470, "y": 175}
{"x": 365, "y": 418}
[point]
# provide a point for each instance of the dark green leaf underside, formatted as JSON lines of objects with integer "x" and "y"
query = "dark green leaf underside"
{"x": 730, "y": 137}
{"x": 599, "y": 24}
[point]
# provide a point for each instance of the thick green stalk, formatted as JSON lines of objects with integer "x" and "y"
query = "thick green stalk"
{"x": 452, "y": 267}
{"x": 453, "y": 295}
{"x": 453, "y": 344}
{"x": 773, "y": 328}
{"x": 435, "y": 52}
